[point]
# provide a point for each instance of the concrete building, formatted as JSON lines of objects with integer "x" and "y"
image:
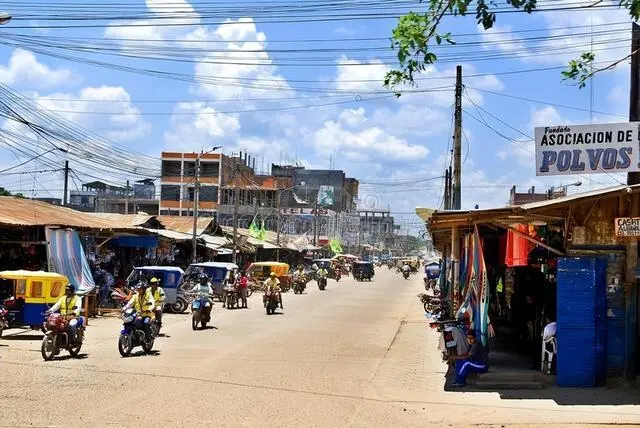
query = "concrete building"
{"x": 178, "y": 179}
{"x": 101, "y": 197}
{"x": 377, "y": 226}
{"x": 530, "y": 196}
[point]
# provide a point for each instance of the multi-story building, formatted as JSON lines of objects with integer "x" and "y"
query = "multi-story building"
{"x": 376, "y": 226}
{"x": 178, "y": 181}
{"x": 105, "y": 198}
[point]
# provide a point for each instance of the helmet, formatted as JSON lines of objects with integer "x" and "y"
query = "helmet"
{"x": 70, "y": 287}
{"x": 203, "y": 277}
{"x": 154, "y": 280}
{"x": 273, "y": 275}
{"x": 141, "y": 285}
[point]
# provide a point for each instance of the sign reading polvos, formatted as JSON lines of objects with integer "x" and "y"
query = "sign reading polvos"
{"x": 627, "y": 226}
{"x": 587, "y": 149}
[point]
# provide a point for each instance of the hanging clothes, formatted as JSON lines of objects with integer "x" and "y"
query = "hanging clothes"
{"x": 517, "y": 250}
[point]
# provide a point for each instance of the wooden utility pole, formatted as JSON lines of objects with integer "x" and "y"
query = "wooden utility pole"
{"x": 457, "y": 143}
{"x": 66, "y": 183}
{"x": 633, "y": 210}
{"x": 446, "y": 189}
{"x": 234, "y": 254}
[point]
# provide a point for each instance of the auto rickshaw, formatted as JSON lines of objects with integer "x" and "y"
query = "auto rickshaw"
{"x": 28, "y": 294}
{"x": 218, "y": 273}
{"x": 169, "y": 276}
{"x": 363, "y": 270}
{"x": 260, "y": 271}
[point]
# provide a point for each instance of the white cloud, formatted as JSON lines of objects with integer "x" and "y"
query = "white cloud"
{"x": 353, "y": 76}
{"x": 195, "y": 125}
{"x": 344, "y": 31}
{"x": 24, "y": 69}
{"x": 125, "y": 124}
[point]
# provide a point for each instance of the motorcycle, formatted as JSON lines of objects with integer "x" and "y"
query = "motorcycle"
{"x": 299, "y": 285}
{"x": 430, "y": 303}
{"x": 451, "y": 331}
{"x": 4, "y": 319}
{"x": 231, "y": 297}
{"x": 338, "y": 275}
{"x": 200, "y": 312}
{"x": 270, "y": 300}
{"x": 322, "y": 282}
{"x": 132, "y": 334}
{"x": 406, "y": 274}
{"x": 57, "y": 337}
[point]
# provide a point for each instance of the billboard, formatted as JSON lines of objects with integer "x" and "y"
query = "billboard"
{"x": 587, "y": 149}
{"x": 326, "y": 196}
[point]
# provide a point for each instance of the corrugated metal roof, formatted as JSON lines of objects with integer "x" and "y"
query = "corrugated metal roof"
{"x": 28, "y": 212}
{"x": 127, "y": 220}
{"x": 214, "y": 241}
{"x": 184, "y": 224}
{"x": 177, "y": 236}
{"x": 576, "y": 196}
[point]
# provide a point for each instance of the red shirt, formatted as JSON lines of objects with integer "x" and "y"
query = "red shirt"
{"x": 243, "y": 282}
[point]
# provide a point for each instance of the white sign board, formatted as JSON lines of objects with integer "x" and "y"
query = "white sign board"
{"x": 587, "y": 149}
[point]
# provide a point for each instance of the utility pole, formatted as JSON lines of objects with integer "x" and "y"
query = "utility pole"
{"x": 633, "y": 210}
{"x": 66, "y": 183}
{"x": 196, "y": 194}
{"x": 234, "y": 254}
{"x": 446, "y": 190}
{"x": 457, "y": 143}
{"x": 315, "y": 224}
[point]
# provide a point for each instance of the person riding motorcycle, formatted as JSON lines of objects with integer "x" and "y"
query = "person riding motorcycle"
{"x": 159, "y": 298}
{"x": 204, "y": 289}
{"x": 69, "y": 306}
{"x": 321, "y": 272}
{"x": 143, "y": 303}
{"x": 273, "y": 284}
{"x": 299, "y": 274}
{"x": 406, "y": 270}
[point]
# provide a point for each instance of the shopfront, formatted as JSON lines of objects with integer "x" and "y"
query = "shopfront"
{"x": 514, "y": 269}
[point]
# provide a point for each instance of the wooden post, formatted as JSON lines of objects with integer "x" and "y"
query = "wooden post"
{"x": 631, "y": 294}
{"x": 86, "y": 310}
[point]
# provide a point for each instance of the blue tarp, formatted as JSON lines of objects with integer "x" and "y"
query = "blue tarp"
{"x": 137, "y": 241}
{"x": 66, "y": 257}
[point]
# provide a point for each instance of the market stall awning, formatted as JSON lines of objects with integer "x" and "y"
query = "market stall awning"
{"x": 128, "y": 220}
{"x": 185, "y": 224}
{"x": 214, "y": 242}
{"x": 170, "y": 234}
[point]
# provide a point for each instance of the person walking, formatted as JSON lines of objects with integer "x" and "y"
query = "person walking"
{"x": 243, "y": 283}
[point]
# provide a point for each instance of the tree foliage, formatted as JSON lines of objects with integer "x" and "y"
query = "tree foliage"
{"x": 415, "y": 33}
{"x": 5, "y": 192}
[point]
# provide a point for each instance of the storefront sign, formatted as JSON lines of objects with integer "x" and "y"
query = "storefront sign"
{"x": 307, "y": 211}
{"x": 587, "y": 149}
{"x": 627, "y": 226}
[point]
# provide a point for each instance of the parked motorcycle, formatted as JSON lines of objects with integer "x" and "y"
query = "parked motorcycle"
{"x": 270, "y": 301}
{"x": 322, "y": 282}
{"x": 133, "y": 334}
{"x": 57, "y": 337}
{"x": 430, "y": 303}
{"x": 451, "y": 333}
{"x": 231, "y": 297}
{"x": 4, "y": 319}
{"x": 200, "y": 312}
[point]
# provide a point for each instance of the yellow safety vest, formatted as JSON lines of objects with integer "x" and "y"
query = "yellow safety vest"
{"x": 67, "y": 305}
{"x": 139, "y": 305}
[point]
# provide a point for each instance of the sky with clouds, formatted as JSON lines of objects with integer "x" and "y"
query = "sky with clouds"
{"x": 273, "y": 90}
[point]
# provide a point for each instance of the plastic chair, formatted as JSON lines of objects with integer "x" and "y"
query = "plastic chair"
{"x": 548, "y": 355}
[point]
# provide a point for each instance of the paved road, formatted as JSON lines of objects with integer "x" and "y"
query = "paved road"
{"x": 357, "y": 354}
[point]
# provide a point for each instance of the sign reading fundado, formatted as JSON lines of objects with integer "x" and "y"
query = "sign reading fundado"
{"x": 587, "y": 149}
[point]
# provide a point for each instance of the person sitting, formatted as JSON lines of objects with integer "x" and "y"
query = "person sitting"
{"x": 204, "y": 290}
{"x": 69, "y": 306}
{"x": 159, "y": 297}
{"x": 143, "y": 303}
{"x": 272, "y": 284}
{"x": 475, "y": 361}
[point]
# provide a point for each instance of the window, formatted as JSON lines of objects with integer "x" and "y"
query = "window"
{"x": 55, "y": 289}
{"x": 208, "y": 193}
{"x": 21, "y": 287}
{"x": 189, "y": 169}
{"x": 171, "y": 279}
{"x": 36, "y": 289}
{"x": 171, "y": 168}
{"x": 170, "y": 192}
{"x": 209, "y": 169}
{"x": 189, "y": 194}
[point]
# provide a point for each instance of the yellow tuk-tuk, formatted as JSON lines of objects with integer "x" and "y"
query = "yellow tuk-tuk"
{"x": 29, "y": 294}
{"x": 260, "y": 271}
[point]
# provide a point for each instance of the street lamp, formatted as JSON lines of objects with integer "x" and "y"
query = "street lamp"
{"x": 302, "y": 183}
{"x": 196, "y": 196}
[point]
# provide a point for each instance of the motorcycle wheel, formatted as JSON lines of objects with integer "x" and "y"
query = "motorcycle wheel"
{"x": 125, "y": 345}
{"x": 180, "y": 306}
{"x": 249, "y": 291}
{"x": 194, "y": 320}
{"x": 48, "y": 348}
{"x": 203, "y": 324}
{"x": 147, "y": 345}
{"x": 75, "y": 350}
{"x": 425, "y": 307}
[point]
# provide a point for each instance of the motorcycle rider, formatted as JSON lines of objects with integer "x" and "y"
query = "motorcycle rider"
{"x": 406, "y": 269}
{"x": 159, "y": 298}
{"x": 273, "y": 284}
{"x": 69, "y": 306}
{"x": 143, "y": 303}
{"x": 204, "y": 289}
{"x": 299, "y": 273}
{"x": 321, "y": 272}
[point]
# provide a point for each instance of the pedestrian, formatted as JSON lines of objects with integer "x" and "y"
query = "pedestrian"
{"x": 475, "y": 361}
{"x": 243, "y": 283}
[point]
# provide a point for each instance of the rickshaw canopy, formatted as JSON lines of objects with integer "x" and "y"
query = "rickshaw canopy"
{"x": 280, "y": 269}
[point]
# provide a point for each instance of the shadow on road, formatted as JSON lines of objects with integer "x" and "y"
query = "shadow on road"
{"x": 141, "y": 353}
{"x": 21, "y": 336}
{"x": 64, "y": 357}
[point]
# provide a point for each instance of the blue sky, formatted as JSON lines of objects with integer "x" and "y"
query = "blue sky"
{"x": 335, "y": 111}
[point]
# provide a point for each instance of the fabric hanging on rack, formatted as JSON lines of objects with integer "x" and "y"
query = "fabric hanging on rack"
{"x": 517, "y": 250}
{"x": 483, "y": 291}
